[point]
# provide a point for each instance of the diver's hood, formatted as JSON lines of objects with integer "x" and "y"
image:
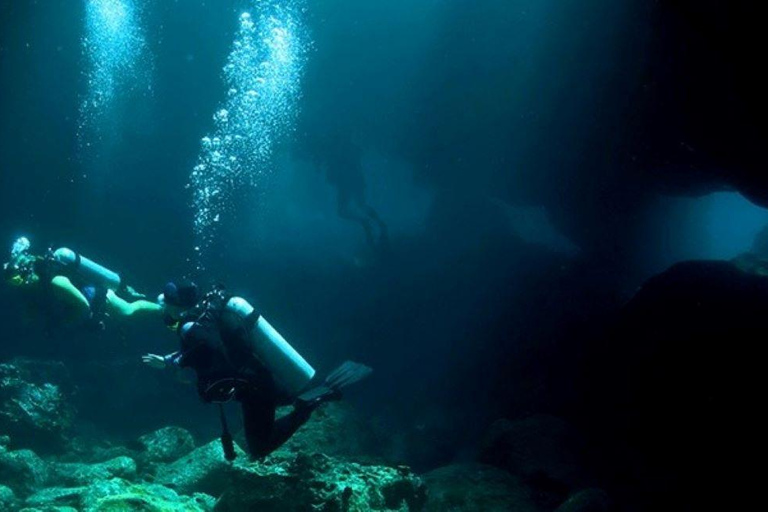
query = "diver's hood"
{"x": 20, "y": 247}
{"x": 183, "y": 296}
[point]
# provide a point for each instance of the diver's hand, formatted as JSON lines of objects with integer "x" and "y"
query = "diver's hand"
{"x": 154, "y": 361}
{"x": 133, "y": 294}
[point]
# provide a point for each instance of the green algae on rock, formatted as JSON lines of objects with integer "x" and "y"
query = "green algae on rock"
{"x": 318, "y": 482}
{"x": 190, "y": 481}
{"x": 55, "y": 497}
{"x": 7, "y": 498}
{"x": 34, "y": 403}
{"x": 203, "y": 470}
{"x": 118, "y": 495}
{"x": 74, "y": 474}
{"x": 49, "y": 509}
{"x": 22, "y": 470}
{"x": 166, "y": 445}
{"x": 94, "y": 450}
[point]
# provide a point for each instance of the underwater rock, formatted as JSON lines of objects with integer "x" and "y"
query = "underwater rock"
{"x": 338, "y": 431}
{"x": 536, "y": 448}
{"x": 74, "y": 474}
{"x": 287, "y": 481}
{"x": 471, "y": 487}
{"x": 588, "y": 500}
{"x": 317, "y": 482}
{"x": 118, "y": 495}
{"x": 93, "y": 450}
{"x": 166, "y": 445}
{"x": 429, "y": 440}
{"x": 55, "y": 497}
{"x": 760, "y": 244}
{"x": 22, "y": 470}
{"x": 36, "y": 370}
{"x": 203, "y": 470}
{"x": 752, "y": 263}
{"x": 674, "y": 390}
{"x": 49, "y": 509}
{"x": 700, "y": 144}
{"x": 35, "y": 406}
{"x": 7, "y": 498}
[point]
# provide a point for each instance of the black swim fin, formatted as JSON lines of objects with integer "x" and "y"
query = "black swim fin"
{"x": 348, "y": 373}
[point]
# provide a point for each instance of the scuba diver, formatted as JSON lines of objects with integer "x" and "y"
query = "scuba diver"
{"x": 72, "y": 288}
{"x": 341, "y": 159}
{"x": 237, "y": 355}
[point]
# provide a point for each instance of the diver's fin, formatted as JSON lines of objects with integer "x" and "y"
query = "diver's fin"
{"x": 348, "y": 373}
{"x": 318, "y": 395}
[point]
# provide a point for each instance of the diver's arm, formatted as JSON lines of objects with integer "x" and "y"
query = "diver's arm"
{"x": 67, "y": 292}
{"x": 121, "y": 307}
{"x": 172, "y": 360}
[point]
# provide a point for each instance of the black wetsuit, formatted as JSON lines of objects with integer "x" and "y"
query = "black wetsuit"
{"x": 216, "y": 348}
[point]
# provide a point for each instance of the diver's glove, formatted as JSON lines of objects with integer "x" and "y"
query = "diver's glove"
{"x": 154, "y": 361}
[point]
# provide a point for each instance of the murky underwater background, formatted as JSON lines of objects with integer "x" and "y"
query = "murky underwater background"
{"x": 540, "y": 221}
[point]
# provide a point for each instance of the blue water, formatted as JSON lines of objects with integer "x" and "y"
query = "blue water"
{"x": 510, "y": 209}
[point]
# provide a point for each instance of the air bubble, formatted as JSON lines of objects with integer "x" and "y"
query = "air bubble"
{"x": 115, "y": 47}
{"x": 263, "y": 84}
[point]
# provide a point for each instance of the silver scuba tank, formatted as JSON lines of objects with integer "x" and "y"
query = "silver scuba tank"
{"x": 291, "y": 372}
{"x": 90, "y": 271}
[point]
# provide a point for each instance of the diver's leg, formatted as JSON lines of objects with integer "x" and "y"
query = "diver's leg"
{"x": 371, "y": 216}
{"x": 262, "y": 433}
{"x": 258, "y": 421}
{"x": 348, "y": 209}
{"x": 374, "y": 216}
{"x": 287, "y": 425}
{"x": 369, "y": 219}
{"x": 121, "y": 307}
{"x": 64, "y": 290}
{"x": 344, "y": 207}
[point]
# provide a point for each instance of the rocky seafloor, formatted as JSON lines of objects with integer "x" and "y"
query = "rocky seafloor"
{"x": 521, "y": 466}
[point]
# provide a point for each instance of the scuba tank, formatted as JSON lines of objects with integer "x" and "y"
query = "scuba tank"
{"x": 291, "y": 372}
{"x": 90, "y": 271}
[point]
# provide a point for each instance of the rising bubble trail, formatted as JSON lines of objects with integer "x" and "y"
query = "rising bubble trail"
{"x": 115, "y": 49}
{"x": 262, "y": 77}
